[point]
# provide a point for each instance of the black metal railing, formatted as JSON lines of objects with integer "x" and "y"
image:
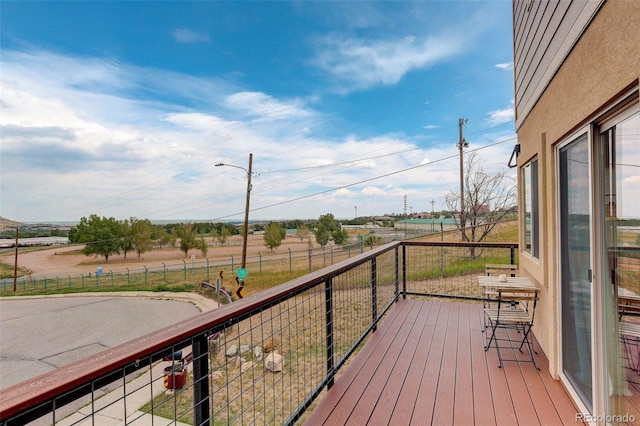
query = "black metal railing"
{"x": 264, "y": 359}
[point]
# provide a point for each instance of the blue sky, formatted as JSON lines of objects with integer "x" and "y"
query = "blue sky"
{"x": 122, "y": 108}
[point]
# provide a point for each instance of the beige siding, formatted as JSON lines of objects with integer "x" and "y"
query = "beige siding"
{"x": 602, "y": 65}
{"x": 544, "y": 34}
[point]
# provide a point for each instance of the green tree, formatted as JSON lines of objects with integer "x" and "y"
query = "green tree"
{"x": 126, "y": 243}
{"x": 328, "y": 228}
{"x": 223, "y": 235}
{"x": 141, "y": 235}
{"x": 273, "y": 235}
{"x": 189, "y": 240}
{"x": 101, "y": 236}
{"x": 301, "y": 232}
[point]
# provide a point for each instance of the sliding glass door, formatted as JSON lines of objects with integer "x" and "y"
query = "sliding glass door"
{"x": 575, "y": 249}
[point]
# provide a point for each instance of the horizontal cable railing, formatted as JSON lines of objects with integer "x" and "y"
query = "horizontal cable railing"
{"x": 263, "y": 359}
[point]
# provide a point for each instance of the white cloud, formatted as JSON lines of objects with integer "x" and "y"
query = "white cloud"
{"x": 78, "y": 140}
{"x": 262, "y": 106}
{"x": 505, "y": 66}
{"x": 363, "y": 63}
{"x": 502, "y": 116}
{"x": 183, "y": 35}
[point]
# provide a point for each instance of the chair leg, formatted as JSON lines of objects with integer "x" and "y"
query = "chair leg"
{"x": 527, "y": 339}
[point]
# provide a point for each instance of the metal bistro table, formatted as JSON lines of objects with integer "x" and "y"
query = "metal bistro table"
{"x": 492, "y": 282}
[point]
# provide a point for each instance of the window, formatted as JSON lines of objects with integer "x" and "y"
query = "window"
{"x": 531, "y": 218}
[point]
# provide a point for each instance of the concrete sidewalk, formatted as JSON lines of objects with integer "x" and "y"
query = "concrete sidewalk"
{"x": 110, "y": 408}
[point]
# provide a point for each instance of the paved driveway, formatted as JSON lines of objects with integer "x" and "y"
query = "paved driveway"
{"x": 38, "y": 335}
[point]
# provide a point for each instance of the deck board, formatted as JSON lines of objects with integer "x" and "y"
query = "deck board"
{"x": 426, "y": 364}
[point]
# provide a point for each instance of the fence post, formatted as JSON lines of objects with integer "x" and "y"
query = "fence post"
{"x": 324, "y": 255}
{"x": 232, "y": 267}
{"x": 57, "y": 282}
{"x": 309, "y": 260}
{"x": 145, "y": 274}
{"x": 513, "y": 255}
{"x": 184, "y": 269}
{"x": 374, "y": 293}
{"x": 201, "y": 380}
{"x": 82, "y": 280}
{"x": 260, "y": 262}
{"x": 207, "y": 268}
{"x": 111, "y": 273}
{"x": 128, "y": 276}
{"x": 164, "y": 272}
{"x": 328, "y": 310}
{"x": 290, "y": 264}
{"x": 331, "y": 252}
{"x": 45, "y": 283}
{"x": 69, "y": 280}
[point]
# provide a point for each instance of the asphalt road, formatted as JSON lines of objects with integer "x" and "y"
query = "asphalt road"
{"x": 38, "y": 335}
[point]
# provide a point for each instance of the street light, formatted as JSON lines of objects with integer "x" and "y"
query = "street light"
{"x": 246, "y": 208}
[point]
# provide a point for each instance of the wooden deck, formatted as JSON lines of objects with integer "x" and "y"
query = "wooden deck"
{"x": 426, "y": 365}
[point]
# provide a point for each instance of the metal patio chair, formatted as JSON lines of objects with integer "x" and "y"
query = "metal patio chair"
{"x": 504, "y": 315}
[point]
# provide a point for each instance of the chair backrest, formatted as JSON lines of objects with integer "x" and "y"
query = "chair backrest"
{"x": 628, "y": 305}
{"x": 493, "y": 269}
{"x": 521, "y": 296}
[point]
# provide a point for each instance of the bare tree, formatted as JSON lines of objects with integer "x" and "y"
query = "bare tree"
{"x": 488, "y": 199}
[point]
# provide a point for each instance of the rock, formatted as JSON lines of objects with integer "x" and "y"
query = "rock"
{"x": 257, "y": 352}
{"x": 246, "y": 366}
{"x": 244, "y": 349}
{"x": 270, "y": 345}
{"x": 274, "y": 362}
{"x": 232, "y": 350}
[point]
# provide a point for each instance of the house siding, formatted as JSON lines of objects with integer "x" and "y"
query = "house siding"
{"x": 603, "y": 63}
{"x": 544, "y": 34}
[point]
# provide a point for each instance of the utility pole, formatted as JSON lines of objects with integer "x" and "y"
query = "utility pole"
{"x": 15, "y": 265}
{"x": 246, "y": 215}
{"x": 462, "y": 143}
{"x": 245, "y": 231}
{"x": 433, "y": 215}
{"x": 405, "y": 216}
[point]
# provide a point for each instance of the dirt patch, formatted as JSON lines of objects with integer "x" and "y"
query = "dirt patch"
{"x": 69, "y": 259}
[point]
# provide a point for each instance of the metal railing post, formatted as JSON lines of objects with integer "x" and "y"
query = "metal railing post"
{"x": 201, "y": 380}
{"x": 396, "y": 273}
{"x": 374, "y": 293}
{"x": 328, "y": 306}
{"x": 404, "y": 271}
{"x": 513, "y": 255}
